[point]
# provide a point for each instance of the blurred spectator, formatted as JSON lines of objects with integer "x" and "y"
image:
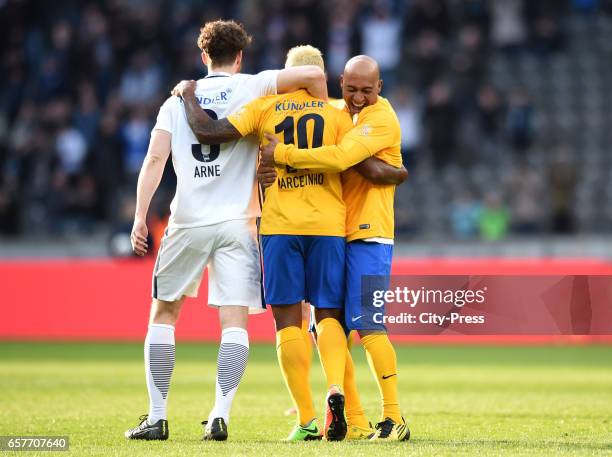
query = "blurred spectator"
{"x": 441, "y": 124}
{"x": 87, "y": 114}
{"x": 430, "y": 16}
{"x": 490, "y": 111}
{"x": 381, "y": 33}
{"x": 468, "y": 65}
{"x": 9, "y": 204}
{"x": 545, "y": 18}
{"x": 141, "y": 81}
{"x": 494, "y": 218}
{"x": 409, "y": 116}
{"x": 562, "y": 182}
{"x": 527, "y": 201}
{"x": 464, "y": 216}
{"x": 476, "y": 14}
{"x": 509, "y": 30}
{"x": 119, "y": 244}
{"x": 71, "y": 150}
{"x": 520, "y": 120}
{"x": 135, "y": 133}
{"x": 341, "y": 40}
{"x": 428, "y": 59}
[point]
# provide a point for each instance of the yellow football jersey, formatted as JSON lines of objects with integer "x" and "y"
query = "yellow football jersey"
{"x": 300, "y": 202}
{"x": 369, "y": 206}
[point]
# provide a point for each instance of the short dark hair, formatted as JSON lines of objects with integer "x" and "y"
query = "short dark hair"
{"x": 223, "y": 40}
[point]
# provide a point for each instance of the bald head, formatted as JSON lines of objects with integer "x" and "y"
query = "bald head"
{"x": 362, "y": 66}
{"x": 360, "y": 83}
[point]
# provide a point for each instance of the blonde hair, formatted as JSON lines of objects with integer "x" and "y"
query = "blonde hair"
{"x": 304, "y": 55}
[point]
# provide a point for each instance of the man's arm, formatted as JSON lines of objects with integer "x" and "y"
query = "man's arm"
{"x": 374, "y": 132}
{"x": 335, "y": 158}
{"x": 148, "y": 180}
{"x": 205, "y": 129}
{"x": 309, "y": 77}
{"x": 266, "y": 175}
{"x": 380, "y": 172}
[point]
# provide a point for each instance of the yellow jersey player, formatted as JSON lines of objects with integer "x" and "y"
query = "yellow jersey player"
{"x": 370, "y": 224}
{"x": 303, "y": 230}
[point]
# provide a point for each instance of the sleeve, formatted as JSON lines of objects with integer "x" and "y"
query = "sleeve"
{"x": 265, "y": 83}
{"x": 165, "y": 117}
{"x": 361, "y": 142}
{"x": 246, "y": 119}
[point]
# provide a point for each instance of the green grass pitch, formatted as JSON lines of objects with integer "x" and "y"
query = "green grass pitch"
{"x": 457, "y": 400}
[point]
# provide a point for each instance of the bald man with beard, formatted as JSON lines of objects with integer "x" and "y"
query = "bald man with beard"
{"x": 370, "y": 220}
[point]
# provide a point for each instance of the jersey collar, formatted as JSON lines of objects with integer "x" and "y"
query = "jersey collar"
{"x": 220, "y": 74}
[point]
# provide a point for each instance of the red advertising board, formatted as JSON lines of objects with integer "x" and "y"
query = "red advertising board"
{"x": 106, "y": 299}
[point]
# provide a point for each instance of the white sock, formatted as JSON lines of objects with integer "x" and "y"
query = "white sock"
{"x": 232, "y": 360}
{"x": 159, "y": 365}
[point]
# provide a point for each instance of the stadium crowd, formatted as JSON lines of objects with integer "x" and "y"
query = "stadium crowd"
{"x": 83, "y": 80}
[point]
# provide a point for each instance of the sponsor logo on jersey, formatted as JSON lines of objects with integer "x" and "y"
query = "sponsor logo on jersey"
{"x": 220, "y": 99}
{"x": 290, "y": 105}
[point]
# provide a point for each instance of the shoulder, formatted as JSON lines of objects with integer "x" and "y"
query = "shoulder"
{"x": 261, "y": 78}
{"x": 339, "y": 116}
{"x": 171, "y": 106}
{"x": 171, "y": 102}
{"x": 381, "y": 113}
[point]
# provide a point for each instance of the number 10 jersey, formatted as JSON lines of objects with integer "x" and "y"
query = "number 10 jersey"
{"x": 300, "y": 202}
{"x": 214, "y": 183}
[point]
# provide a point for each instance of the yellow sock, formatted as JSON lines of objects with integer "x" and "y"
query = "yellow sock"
{"x": 383, "y": 363}
{"x": 293, "y": 361}
{"x": 352, "y": 404}
{"x": 331, "y": 342}
{"x": 308, "y": 340}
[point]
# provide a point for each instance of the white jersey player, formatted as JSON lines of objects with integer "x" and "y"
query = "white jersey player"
{"x": 212, "y": 222}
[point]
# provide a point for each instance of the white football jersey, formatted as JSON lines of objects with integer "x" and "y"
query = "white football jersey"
{"x": 214, "y": 183}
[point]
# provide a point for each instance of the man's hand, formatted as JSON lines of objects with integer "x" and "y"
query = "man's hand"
{"x": 266, "y": 153}
{"x": 139, "y": 237}
{"x": 184, "y": 87}
{"x": 266, "y": 175}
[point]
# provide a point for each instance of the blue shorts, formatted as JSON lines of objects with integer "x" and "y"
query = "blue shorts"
{"x": 368, "y": 268}
{"x": 304, "y": 267}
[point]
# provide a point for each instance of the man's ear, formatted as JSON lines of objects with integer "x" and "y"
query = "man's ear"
{"x": 380, "y": 85}
{"x": 341, "y": 81}
{"x": 238, "y": 61}
{"x": 205, "y": 59}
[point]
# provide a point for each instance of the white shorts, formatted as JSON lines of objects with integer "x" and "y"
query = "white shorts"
{"x": 231, "y": 252}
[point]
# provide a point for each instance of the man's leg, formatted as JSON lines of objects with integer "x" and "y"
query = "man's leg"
{"x": 371, "y": 262}
{"x": 231, "y": 360}
{"x": 325, "y": 281}
{"x": 234, "y": 278}
{"x": 294, "y": 360}
{"x": 331, "y": 343}
{"x": 358, "y": 425}
{"x": 159, "y": 355}
{"x": 159, "y": 365}
{"x": 284, "y": 290}
{"x": 383, "y": 363}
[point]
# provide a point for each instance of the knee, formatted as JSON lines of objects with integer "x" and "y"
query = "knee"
{"x": 163, "y": 312}
{"x": 287, "y": 316}
{"x": 325, "y": 313}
